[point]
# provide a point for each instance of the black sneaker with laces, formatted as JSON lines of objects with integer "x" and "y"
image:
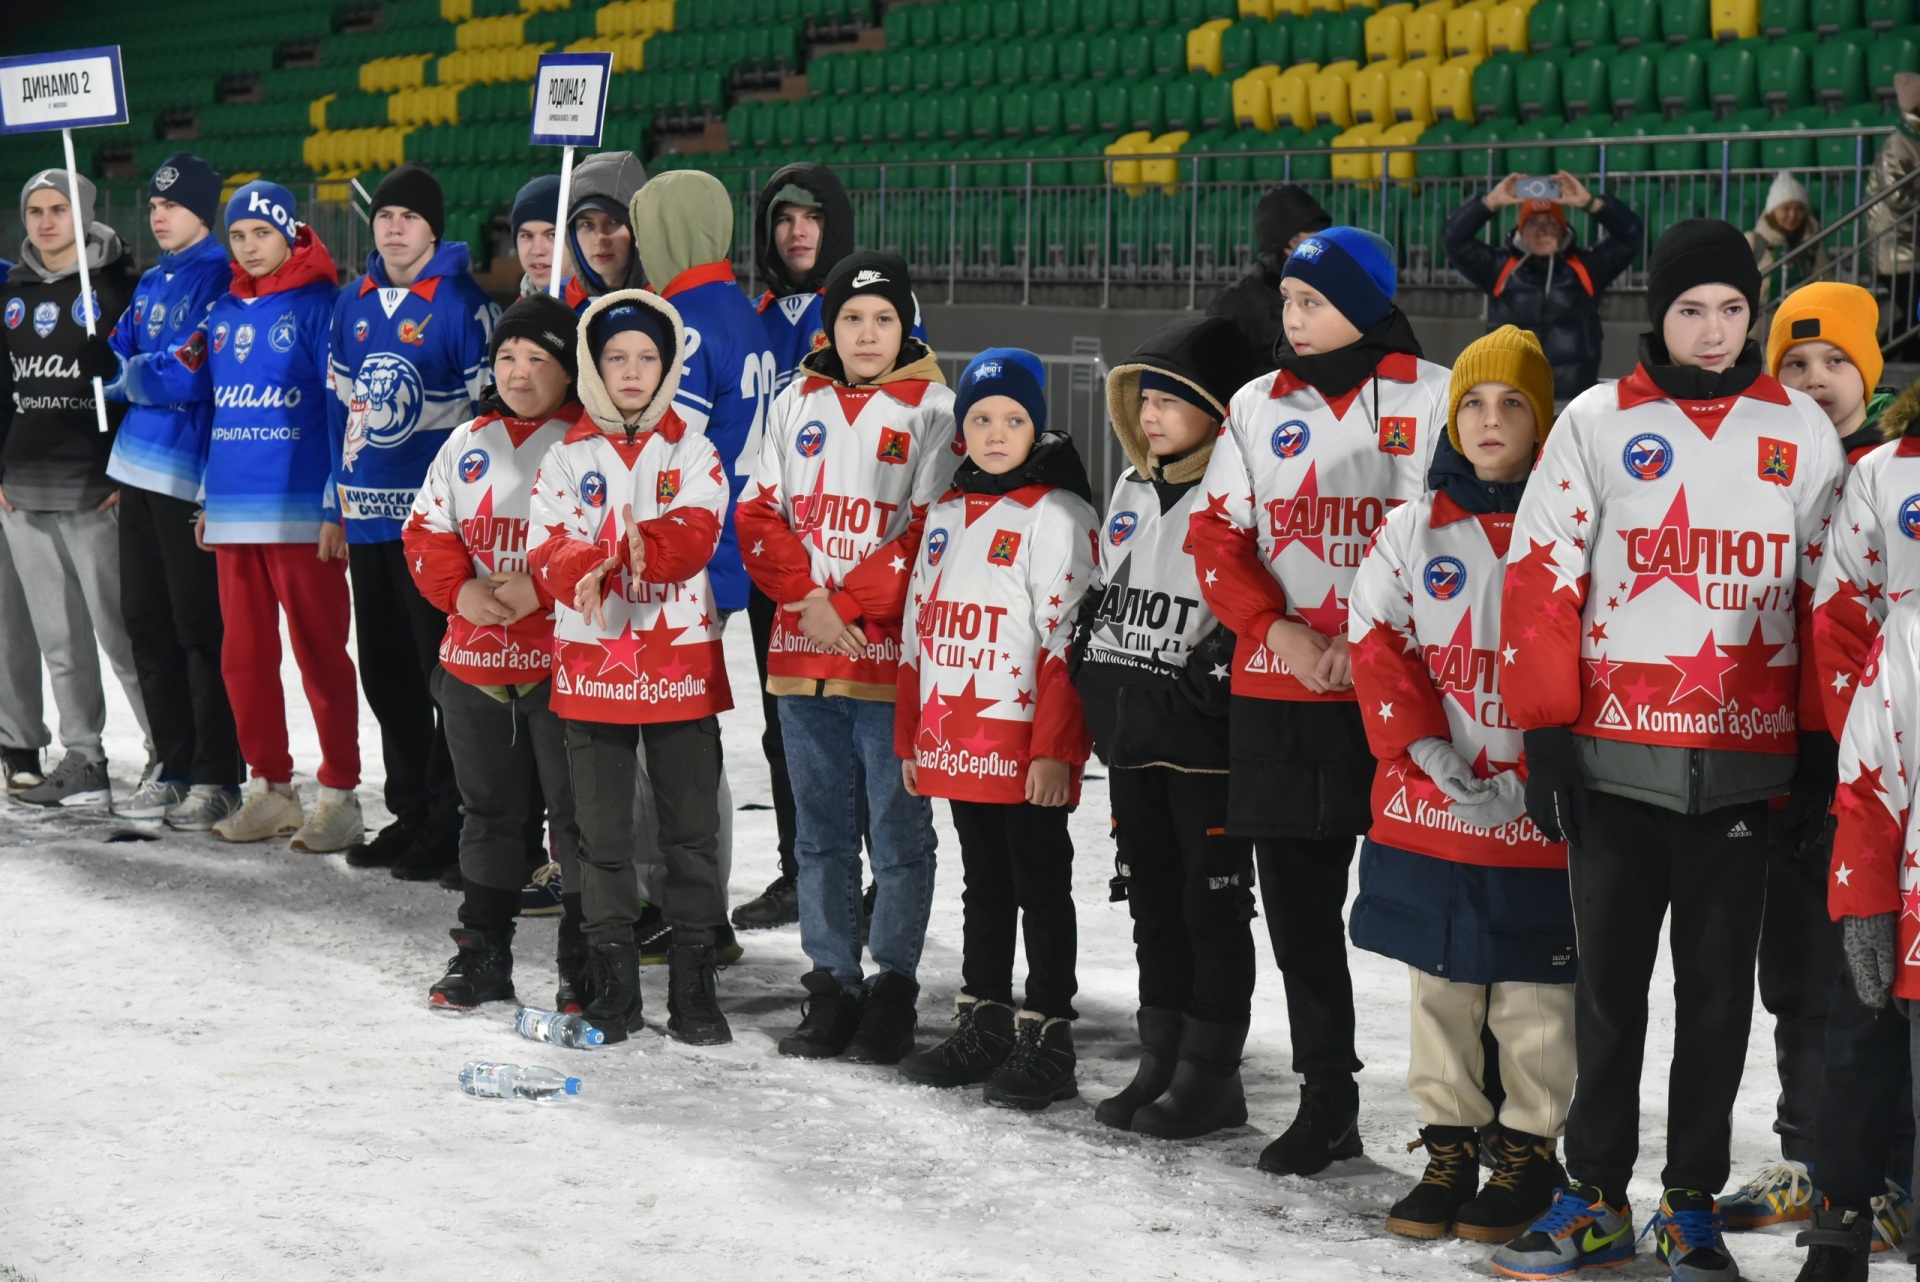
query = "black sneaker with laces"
{"x": 1325, "y": 1130}
{"x": 777, "y": 905}
{"x": 430, "y": 857}
{"x": 1526, "y": 1172}
{"x": 482, "y": 971}
{"x": 1687, "y": 1237}
{"x": 887, "y": 1021}
{"x": 1451, "y": 1179}
{"x": 1041, "y": 1068}
{"x": 693, "y": 997}
{"x": 613, "y": 987}
{"x": 388, "y": 844}
{"x": 1839, "y": 1245}
{"x": 981, "y": 1041}
{"x": 828, "y": 1019}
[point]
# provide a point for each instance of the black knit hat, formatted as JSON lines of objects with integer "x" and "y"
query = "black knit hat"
{"x": 870, "y": 272}
{"x": 544, "y": 321}
{"x": 411, "y": 187}
{"x": 1282, "y": 214}
{"x": 1700, "y": 251}
{"x": 537, "y": 202}
{"x": 189, "y": 182}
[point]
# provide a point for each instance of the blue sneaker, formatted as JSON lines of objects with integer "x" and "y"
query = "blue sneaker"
{"x": 540, "y": 897}
{"x": 1686, "y": 1237}
{"x": 1892, "y": 1217}
{"x": 1781, "y": 1193}
{"x": 1579, "y": 1231}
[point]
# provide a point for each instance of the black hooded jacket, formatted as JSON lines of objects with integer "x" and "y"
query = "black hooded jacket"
{"x": 836, "y": 240}
{"x": 1253, "y": 303}
{"x": 1556, "y": 297}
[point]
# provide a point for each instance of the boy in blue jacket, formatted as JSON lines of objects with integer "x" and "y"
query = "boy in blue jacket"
{"x": 409, "y": 362}
{"x": 169, "y": 588}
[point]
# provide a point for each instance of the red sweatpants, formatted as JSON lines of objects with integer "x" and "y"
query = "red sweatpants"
{"x": 257, "y": 581}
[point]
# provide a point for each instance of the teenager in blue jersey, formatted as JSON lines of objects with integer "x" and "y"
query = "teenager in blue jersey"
{"x": 169, "y": 588}
{"x": 599, "y": 230}
{"x": 409, "y": 361}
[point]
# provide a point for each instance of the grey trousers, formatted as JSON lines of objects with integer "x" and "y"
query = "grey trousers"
{"x": 498, "y": 750}
{"x": 648, "y": 863}
{"x": 69, "y": 569}
{"x": 23, "y": 717}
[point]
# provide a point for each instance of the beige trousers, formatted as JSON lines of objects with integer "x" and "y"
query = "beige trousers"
{"x": 1445, "y": 1063}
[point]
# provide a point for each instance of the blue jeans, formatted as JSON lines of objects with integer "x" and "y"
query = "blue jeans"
{"x": 832, "y": 741}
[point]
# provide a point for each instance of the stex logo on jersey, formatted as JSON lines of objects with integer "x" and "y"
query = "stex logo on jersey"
{"x": 473, "y": 465}
{"x": 45, "y": 317}
{"x": 281, "y": 336}
{"x": 893, "y": 446}
{"x": 1005, "y": 546}
{"x": 1121, "y": 526}
{"x": 385, "y": 406}
{"x": 360, "y": 330}
{"x": 1445, "y": 578}
{"x": 1648, "y": 457}
{"x": 1910, "y": 516}
{"x": 811, "y": 438}
{"x": 220, "y": 332}
{"x": 1289, "y": 438}
{"x": 80, "y": 308}
{"x": 936, "y": 546}
{"x": 1396, "y": 434}
{"x": 593, "y": 488}
{"x": 242, "y": 343}
{"x": 415, "y": 334}
{"x": 1776, "y": 460}
{"x": 667, "y": 486}
{"x": 16, "y": 312}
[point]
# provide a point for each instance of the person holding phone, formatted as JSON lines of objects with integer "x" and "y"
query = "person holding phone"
{"x": 1538, "y": 277}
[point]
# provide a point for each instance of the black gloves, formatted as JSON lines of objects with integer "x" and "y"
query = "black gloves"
{"x": 98, "y": 360}
{"x": 1555, "y": 798}
{"x": 1814, "y": 781}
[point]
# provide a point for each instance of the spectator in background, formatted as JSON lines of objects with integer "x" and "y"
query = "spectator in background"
{"x": 1786, "y": 223}
{"x": 57, "y": 504}
{"x": 1891, "y": 222}
{"x": 1539, "y": 279}
{"x": 599, "y": 235}
{"x": 1284, "y": 217}
{"x": 169, "y": 586}
{"x": 536, "y": 214}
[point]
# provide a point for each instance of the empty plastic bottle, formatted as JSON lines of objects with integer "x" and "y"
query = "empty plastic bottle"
{"x": 571, "y": 1031}
{"x": 511, "y": 1081}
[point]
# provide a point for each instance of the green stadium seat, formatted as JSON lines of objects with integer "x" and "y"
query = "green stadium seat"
{"x": 786, "y": 125}
{"x": 983, "y": 115}
{"x": 1310, "y": 41}
{"x": 1042, "y": 62}
{"x": 1236, "y": 49}
{"x": 1010, "y": 64}
{"x": 1537, "y": 87}
{"x": 923, "y": 117}
{"x": 739, "y": 124}
{"x": 872, "y": 72}
{"x": 842, "y": 124}
{"x": 1125, "y": 15}
{"x": 1016, "y": 112}
{"x": 897, "y": 26}
{"x": 1272, "y": 44}
{"x": 1072, "y": 61}
{"x": 897, "y": 124}
{"x": 956, "y": 116}
{"x": 1681, "y": 80}
{"x": 983, "y": 65}
{"x": 1215, "y": 96}
{"x": 1733, "y": 82}
{"x": 1786, "y": 76}
{"x": 1684, "y": 20}
{"x": 926, "y": 70}
{"x": 1063, "y": 16}
{"x": 1839, "y": 72}
{"x": 951, "y": 66}
{"x": 899, "y": 72}
{"x": 923, "y": 25}
{"x": 1494, "y": 83}
{"x": 1046, "y": 119}
{"x": 1147, "y": 107}
{"x": 1636, "y": 22}
{"x": 1112, "y": 109}
{"x": 1547, "y": 25}
{"x": 1169, "y": 53}
{"x": 1783, "y": 17}
{"x": 977, "y": 22}
{"x": 1583, "y": 84}
{"x": 1480, "y": 159}
{"x": 1035, "y": 18}
{"x": 1885, "y": 15}
{"x": 1103, "y": 56}
{"x": 1528, "y": 150}
{"x": 1077, "y": 113}
{"x": 1096, "y": 16}
{"x": 1633, "y": 83}
{"x": 870, "y": 120}
{"x": 1346, "y": 35}
{"x": 1155, "y": 14}
{"x": 1794, "y": 152}
{"x": 1833, "y": 16}
{"x": 1590, "y": 24}
{"x": 1182, "y": 105}
{"x": 1890, "y": 54}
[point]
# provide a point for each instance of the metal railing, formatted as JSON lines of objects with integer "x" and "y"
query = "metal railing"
{"x": 1881, "y": 259}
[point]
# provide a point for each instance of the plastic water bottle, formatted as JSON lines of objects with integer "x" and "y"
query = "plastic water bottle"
{"x": 555, "y": 1029}
{"x": 511, "y": 1081}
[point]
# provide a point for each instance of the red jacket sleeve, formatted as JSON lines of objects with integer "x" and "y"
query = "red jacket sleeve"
{"x": 1877, "y": 772}
{"x": 678, "y": 545}
{"x": 775, "y": 558}
{"x": 1059, "y": 718}
{"x": 440, "y": 564}
{"x": 876, "y": 589}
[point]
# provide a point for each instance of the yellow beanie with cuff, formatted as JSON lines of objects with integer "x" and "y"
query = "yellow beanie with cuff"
{"x": 1509, "y": 355}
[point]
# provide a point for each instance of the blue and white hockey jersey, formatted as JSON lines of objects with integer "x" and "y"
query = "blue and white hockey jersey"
{"x": 162, "y": 444}
{"x": 795, "y": 329}
{"x": 409, "y": 364}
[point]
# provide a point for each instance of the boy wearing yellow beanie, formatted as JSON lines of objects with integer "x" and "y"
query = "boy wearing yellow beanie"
{"x": 1455, "y": 879}
{"x": 1825, "y": 342}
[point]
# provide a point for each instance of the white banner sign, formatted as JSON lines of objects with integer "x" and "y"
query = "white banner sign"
{"x": 68, "y": 90}
{"x": 570, "y": 98}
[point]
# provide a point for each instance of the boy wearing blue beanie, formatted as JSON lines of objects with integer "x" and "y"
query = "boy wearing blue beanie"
{"x": 987, "y": 718}
{"x": 1312, "y": 458}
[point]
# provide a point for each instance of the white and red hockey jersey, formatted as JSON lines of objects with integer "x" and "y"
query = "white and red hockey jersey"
{"x": 983, "y": 681}
{"x": 1876, "y": 847}
{"x": 470, "y": 520}
{"x": 1295, "y": 489}
{"x": 837, "y": 499}
{"x": 1663, "y": 558}
{"x": 658, "y": 658}
{"x": 1873, "y": 560}
{"x": 1424, "y": 627}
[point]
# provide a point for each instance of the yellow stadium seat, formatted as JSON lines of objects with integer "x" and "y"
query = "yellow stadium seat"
{"x": 1450, "y": 89}
{"x": 1295, "y": 8}
{"x": 1253, "y": 101}
{"x": 1292, "y": 103}
{"x": 455, "y": 10}
{"x": 1256, "y": 8}
{"x": 1403, "y": 165}
{"x": 1326, "y": 6}
{"x": 1383, "y": 34}
{"x": 1367, "y": 93}
{"x": 317, "y": 112}
{"x": 1466, "y": 32}
{"x": 1735, "y": 19}
{"x": 1507, "y": 29}
{"x": 1203, "y": 46}
{"x": 1354, "y": 157}
{"x": 1124, "y": 168}
{"x": 538, "y": 6}
{"x": 1327, "y": 93}
{"x": 1410, "y": 90}
{"x": 1163, "y": 169}
{"x": 1423, "y": 33}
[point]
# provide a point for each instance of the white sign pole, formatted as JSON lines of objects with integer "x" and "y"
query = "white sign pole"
{"x": 86, "y": 279}
{"x": 560, "y": 229}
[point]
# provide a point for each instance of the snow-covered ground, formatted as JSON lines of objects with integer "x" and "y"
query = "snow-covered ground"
{"x": 222, "y": 1065}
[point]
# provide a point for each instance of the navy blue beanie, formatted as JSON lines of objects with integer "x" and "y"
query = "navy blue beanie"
{"x": 1003, "y": 371}
{"x": 1152, "y": 380}
{"x": 1352, "y": 268}
{"x": 537, "y": 202}
{"x": 189, "y": 182}
{"x": 624, "y": 317}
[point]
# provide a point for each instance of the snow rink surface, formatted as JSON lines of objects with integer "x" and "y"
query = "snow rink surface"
{"x": 221, "y": 1065}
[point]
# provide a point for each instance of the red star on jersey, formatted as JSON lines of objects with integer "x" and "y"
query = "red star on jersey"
{"x": 1764, "y": 683}
{"x": 1872, "y": 778}
{"x": 1216, "y": 506}
{"x": 1484, "y": 767}
{"x": 933, "y": 716}
{"x": 1642, "y": 690}
{"x": 1024, "y": 698}
{"x": 558, "y": 530}
{"x": 1309, "y": 495}
{"x": 1329, "y": 618}
{"x": 623, "y": 651}
{"x": 956, "y": 714}
{"x": 1675, "y": 520}
{"x": 1705, "y": 671}
{"x": 1910, "y": 902}
{"x": 1598, "y": 632}
{"x": 660, "y": 638}
{"x": 1602, "y": 669}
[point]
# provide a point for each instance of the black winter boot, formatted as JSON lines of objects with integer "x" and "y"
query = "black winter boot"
{"x": 778, "y": 905}
{"x": 693, "y": 997}
{"x": 887, "y": 1022}
{"x": 1159, "y": 1052}
{"x": 1040, "y": 1070}
{"x": 1526, "y": 1172}
{"x": 1838, "y": 1247}
{"x": 1205, "y": 1094}
{"x": 389, "y": 844}
{"x": 828, "y": 1019}
{"x": 982, "y": 1039}
{"x": 430, "y": 856}
{"x": 613, "y": 988}
{"x": 653, "y": 935}
{"x": 570, "y": 998}
{"x": 1451, "y": 1178}
{"x": 1325, "y": 1129}
{"x": 482, "y": 971}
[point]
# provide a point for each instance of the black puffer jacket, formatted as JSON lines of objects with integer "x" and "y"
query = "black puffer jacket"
{"x": 836, "y": 241}
{"x": 1253, "y": 303}
{"x": 1556, "y": 297}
